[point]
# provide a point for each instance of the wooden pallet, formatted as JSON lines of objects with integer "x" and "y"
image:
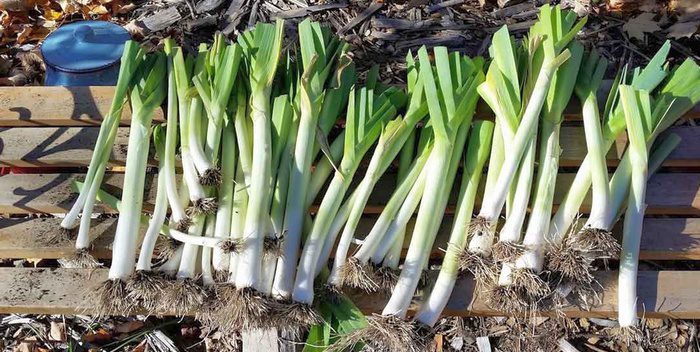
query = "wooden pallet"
{"x": 56, "y": 127}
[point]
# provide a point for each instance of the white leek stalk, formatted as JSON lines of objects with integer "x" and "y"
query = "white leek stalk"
{"x": 214, "y": 85}
{"x": 397, "y": 226}
{"x": 131, "y": 59}
{"x": 377, "y": 233}
{"x": 336, "y": 226}
{"x": 477, "y": 152}
{"x": 206, "y": 255}
{"x": 238, "y": 215}
{"x": 320, "y": 52}
{"x": 160, "y": 209}
{"x": 512, "y": 228}
{"x": 391, "y": 142}
{"x": 176, "y": 64}
{"x": 392, "y": 258}
{"x": 188, "y": 262}
{"x": 548, "y": 39}
{"x": 558, "y": 97}
{"x": 481, "y": 245}
{"x": 637, "y": 108}
{"x": 146, "y": 96}
{"x": 263, "y": 57}
{"x": 589, "y": 80}
{"x": 190, "y": 110}
{"x": 222, "y": 227}
{"x": 614, "y": 124}
{"x": 494, "y": 201}
{"x": 502, "y": 92}
{"x": 192, "y": 144}
{"x": 367, "y": 112}
{"x": 677, "y": 96}
{"x": 450, "y": 118}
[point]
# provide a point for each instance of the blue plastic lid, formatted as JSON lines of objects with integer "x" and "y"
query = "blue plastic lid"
{"x": 84, "y": 46}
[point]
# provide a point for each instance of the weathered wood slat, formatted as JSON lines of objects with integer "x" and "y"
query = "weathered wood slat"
{"x": 73, "y": 146}
{"x": 662, "y": 294}
{"x": 58, "y": 106}
{"x": 57, "y": 146}
{"x": 668, "y": 194}
{"x": 52, "y": 193}
{"x": 26, "y": 238}
{"x": 662, "y": 239}
{"x": 81, "y": 106}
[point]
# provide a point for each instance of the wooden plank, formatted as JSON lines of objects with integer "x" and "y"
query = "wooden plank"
{"x": 58, "y": 106}
{"x": 52, "y": 193}
{"x": 667, "y": 194}
{"x": 72, "y": 146}
{"x": 574, "y": 150}
{"x": 666, "y": 238}
{"x": 662, "y": 239}
{"x": 57, "y": 146}
{"x": 25, "y": 238}
{"x": 662, "y": 294}
{"x": 81, "y": 106}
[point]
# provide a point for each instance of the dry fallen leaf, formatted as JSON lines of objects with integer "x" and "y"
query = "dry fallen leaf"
{"x": 95, "y": 10}
{"x": 141, "y": 347}
{"x": 686, "y": 9}
{"x": 98, "y": 337}
{"x": 16, "y": 5}
{"x": 24, "y": 347}
{"x": 24, "y": 34}
{"x": 52, "y": 15}
{"x": 128, "y": 326}
{"x": 654, "y": 323}
{"x": 682, "y": 30}
{"x": 68, "y": 6}
{"x": 135, "y": 30}
{"x": 630, "y": 5}
{"x": 644, "y": 23}
{"x": 121, "y": 8}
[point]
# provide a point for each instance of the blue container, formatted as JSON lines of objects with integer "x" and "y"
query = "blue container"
{"x": 84, "y": 53}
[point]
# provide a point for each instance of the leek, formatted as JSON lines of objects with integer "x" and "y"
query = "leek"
{"x": 391, "y": 142}
{"x": 494, "y": 200}
{"x": 262, "y": 50}
{"x": 320, "y": 53}
{"x": 637, "y": 110}
{"x": 477, "y": 151}
{"x": 130, "y": 61}
{"x": 146, "y": 96}
{"x": 132, "y": 58}
{"x": 613, "y": 125}
{"x": 451, "y": 100}
{"x": 367, "y": 112}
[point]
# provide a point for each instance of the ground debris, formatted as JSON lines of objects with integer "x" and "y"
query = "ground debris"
{"x": 83, "y": 333}
{"x": 382, "y": 32}
{"x": 562, "y": 334}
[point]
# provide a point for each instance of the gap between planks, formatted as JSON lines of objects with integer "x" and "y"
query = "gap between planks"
{"x": 662, "y": 239}
{"x": 662, "y": 294}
